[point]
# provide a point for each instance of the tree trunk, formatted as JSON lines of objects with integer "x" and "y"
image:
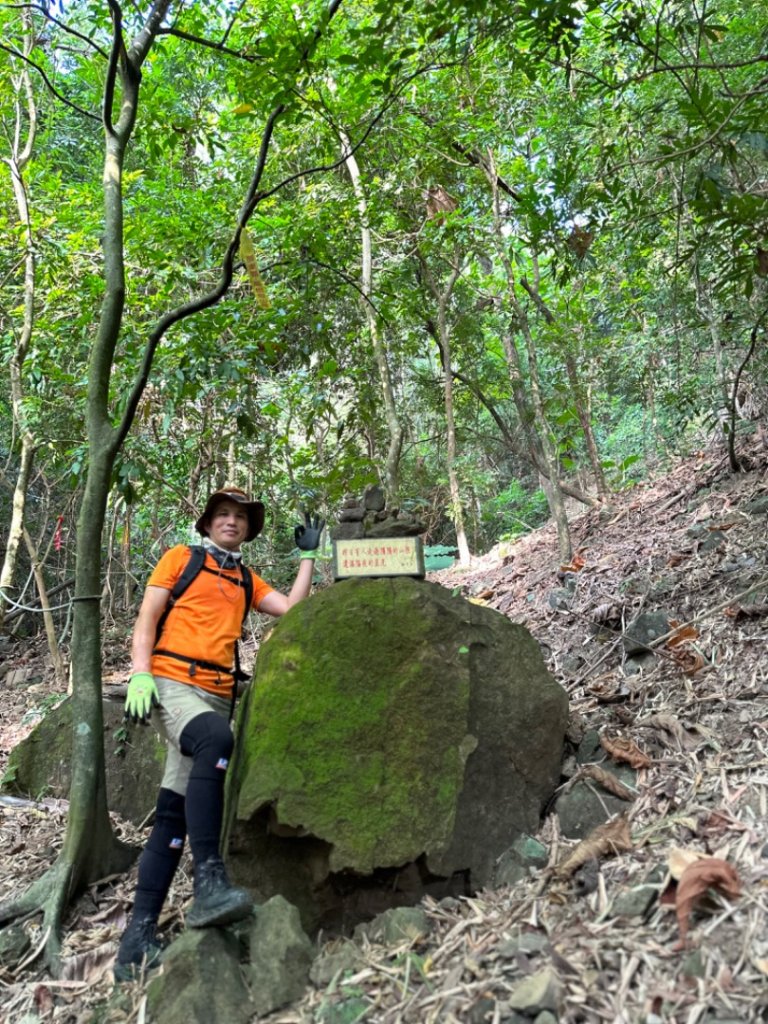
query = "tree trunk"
{"x": 394, "y": 426}
{"x": 584, "y": 412}
{"x": 59, "y": 671}
{"x": 17, "y": 162}
{"x": 443, "y": 296}
{"x": 531, "y": 413}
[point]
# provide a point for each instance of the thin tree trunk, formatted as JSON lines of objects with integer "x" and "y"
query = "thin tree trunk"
{"x": 59, "y": 671}
{"x": 583, "y": 411}
{"x": 21, "y": 153}
{"x": 443, "y": 296}
{"x": 531, "y": 414}
{"x": 394, "y": 426}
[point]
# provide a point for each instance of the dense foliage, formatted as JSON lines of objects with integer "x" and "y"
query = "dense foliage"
{"x": 622, "y": 278}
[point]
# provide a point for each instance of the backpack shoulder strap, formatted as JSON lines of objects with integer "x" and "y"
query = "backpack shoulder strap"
{"x": 248, "y": 588}
{"x": 189, "y": 573}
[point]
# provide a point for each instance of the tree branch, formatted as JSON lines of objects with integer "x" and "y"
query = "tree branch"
{"x": 59, "y": 24}
{"x": 49, "y": 84}
{"x": 207, "y": 43}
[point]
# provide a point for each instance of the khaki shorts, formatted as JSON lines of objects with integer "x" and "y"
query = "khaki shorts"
{"x": 180, "y": 703}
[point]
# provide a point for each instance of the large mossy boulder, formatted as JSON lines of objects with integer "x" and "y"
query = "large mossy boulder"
{"x": 396, "y": 735}
{"x": 41, "y": 765}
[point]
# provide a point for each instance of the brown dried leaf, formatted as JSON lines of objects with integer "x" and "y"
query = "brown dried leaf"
{"x": 612, "y": 837}
{"x": 576, "y": 564}
{"x": 751, "y": 611}
{"x": 622, "y": 749}
{"x": 607, "y": 780}
{"x": 681, "y": 635}
{"x": 704, "y": 874}
{"x": 90, "y": 965}
{"x": 607, "y": 612}
{"x": 679, "y": 859}
{"x": 689, "y": 661}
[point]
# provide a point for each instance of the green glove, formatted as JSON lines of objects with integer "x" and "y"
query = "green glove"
{"x": 142, "y": 696}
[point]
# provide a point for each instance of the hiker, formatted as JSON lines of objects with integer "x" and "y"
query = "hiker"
{"x": 186, "y": 666}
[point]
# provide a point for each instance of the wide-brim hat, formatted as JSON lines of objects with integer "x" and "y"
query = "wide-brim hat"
{"x": 255, "y": 511}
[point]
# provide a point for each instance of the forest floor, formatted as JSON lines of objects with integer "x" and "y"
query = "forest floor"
{"x": 693, "y": 543}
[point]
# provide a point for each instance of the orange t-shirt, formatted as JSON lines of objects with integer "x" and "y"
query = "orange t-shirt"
{"x": 205, "y": 622}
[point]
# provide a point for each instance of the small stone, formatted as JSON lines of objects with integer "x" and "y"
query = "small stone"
{"x": 693, "y": 965}
{"x": 529, "y": 943}
{"x": 758, "y": 505}
{"x": 540, "y": 991}
{"x": 644, "y": 630}
{"x": 328, "y": 965}
{"x": 396, "y": 924}
{"x": 634, "y": 902}
{"x": 639, "y": 664}
{"x": 352, "y": 515}
{"x": 348, "y": 531}
{"x": 373, "y": 498}
{"x": 560, "y": 599}
{"x": 714, "y": 541}
{"x": 545, "y": 1017}
{"x": 481, "y": 1011}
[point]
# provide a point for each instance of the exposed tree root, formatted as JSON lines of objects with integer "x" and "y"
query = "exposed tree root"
{"x": 52, "y": 893}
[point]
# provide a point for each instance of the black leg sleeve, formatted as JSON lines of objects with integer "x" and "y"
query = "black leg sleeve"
{"x": 161, "y": 855}
{"x": 208, "y": 740}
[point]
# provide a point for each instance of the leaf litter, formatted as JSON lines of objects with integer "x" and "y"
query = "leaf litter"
{"x": 568, "y": 929}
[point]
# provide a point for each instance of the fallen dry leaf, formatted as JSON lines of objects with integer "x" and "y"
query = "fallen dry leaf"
{"x": 689, "y": 661}
{"x": 679, "y": 859}
{"x": 751, "y": 611}
{"x": 704, "y": 874}
{"x": 576, "y": 564}
{"x": 607, "y": 780}
{"x": 681, "y": 635}
{"x": 621, "y": 749}
{"x": 603, "y": 841}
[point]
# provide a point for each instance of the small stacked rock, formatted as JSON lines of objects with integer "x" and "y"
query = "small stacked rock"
{"x": 369, "y": 517}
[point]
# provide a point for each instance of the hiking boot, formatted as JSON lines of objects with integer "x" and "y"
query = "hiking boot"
{"x": 139, "y": 951}
{"x": 217, "y": 901}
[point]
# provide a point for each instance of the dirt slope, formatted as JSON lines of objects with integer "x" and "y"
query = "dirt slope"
{"x": 694, "y": 545}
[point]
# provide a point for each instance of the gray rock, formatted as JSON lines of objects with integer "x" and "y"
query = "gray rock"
{"x": 347, "y": 531}
{"x": 403, "y": 526}
{"x": 585, "y": 806}
{"x": 590, "y": 749}
{"x": 697, "y": 532}
{"x": 395, "y": 926}
{"x": 134, "y": 761}
{"x": 540, "y": 991}
{"x": 200, "y": 980}
{"x": 545, "y": 1017}
{"x": 14, "y": 943}
{"x": 529, "y": 943}
{"x": 281, "y": 955}
{"x": 560, "y": 599}
{"x": 639, "y": 664}
{"x": 352, "y": 515}
{"x": 514, "y": 864}
{"x": 644, "y": 630}
{"x": 759, "y": 505}
{"x": 373, "y": 498}
{"x": 328, "y": 965}
{"x": 634, "y": 902}
{"x": 481, "y": 1011}
{"x": 335, "y": 745}
{"x": 714, "y": 541}
{"x": 693, "y": 965}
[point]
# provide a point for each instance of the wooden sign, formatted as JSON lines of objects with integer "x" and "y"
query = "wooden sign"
{"x": 378, "y": 556}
